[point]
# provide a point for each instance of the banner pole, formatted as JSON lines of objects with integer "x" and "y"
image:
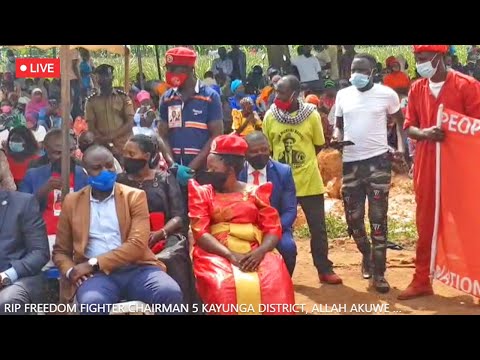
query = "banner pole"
{"x": 437, "y": 198}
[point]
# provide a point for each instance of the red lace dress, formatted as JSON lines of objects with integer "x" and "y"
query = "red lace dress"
{"x": 239, "y": 221}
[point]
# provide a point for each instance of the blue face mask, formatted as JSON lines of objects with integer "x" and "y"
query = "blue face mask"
{"x": 241, "y": 94}
{"x": 104, "y": 181}
{"x": 16, "y": 147}
{"x": 359, "y": 80}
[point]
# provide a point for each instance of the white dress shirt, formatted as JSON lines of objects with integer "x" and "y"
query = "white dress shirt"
{"x": 262, "y": 178}
{"x": 104, "y": 233}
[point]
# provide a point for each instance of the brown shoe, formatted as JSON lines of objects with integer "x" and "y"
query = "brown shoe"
{"x": 415, "y": 290}
{"x": 330, "y": 278}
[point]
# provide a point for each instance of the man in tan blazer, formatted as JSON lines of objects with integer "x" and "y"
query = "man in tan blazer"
{"x": 101, "y": 247}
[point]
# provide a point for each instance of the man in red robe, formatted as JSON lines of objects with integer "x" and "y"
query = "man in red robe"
{"x": 457, "y": 92}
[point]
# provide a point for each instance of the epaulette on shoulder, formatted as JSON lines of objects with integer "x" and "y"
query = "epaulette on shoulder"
{"x": 91, "y": 96}
{"x": 121, "y": 92}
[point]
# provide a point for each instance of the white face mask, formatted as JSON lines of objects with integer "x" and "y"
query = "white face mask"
{"x": 426, "y": 69}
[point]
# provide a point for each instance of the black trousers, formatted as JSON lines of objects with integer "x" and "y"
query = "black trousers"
{"x": 26, "y": 290}
{"x": 314, "y": 210}
{"x": 75, "y": 98}
{"x": 176, "y": 256}
{"x": 370, "y": 179}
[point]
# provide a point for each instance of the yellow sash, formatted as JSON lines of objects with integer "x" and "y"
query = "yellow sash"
{"x": 247, "y": 285}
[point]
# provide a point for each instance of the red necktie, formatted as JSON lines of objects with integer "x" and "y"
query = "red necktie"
{"x": 256, "y": 177}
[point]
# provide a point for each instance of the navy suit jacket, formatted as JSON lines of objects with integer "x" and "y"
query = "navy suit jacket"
{"x": 284, "y": 195}
{"x": 35, "y": 178}
{"x": 23, "y": 236}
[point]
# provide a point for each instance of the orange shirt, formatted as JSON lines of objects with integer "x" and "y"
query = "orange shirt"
{"x": 396, "y": 80}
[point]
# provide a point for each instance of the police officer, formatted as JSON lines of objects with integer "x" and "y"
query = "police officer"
{"x": 109, "y": 112}
{"x": 190, "y": 115}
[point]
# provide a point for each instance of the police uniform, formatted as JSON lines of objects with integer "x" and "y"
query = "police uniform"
{"x": 106, "y": 114}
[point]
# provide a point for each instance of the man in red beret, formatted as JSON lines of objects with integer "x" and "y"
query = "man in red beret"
{"x": 190, "y": 115}
{"x": 457, "y": 92}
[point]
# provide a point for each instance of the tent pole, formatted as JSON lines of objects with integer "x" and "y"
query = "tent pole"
{"x": 140, "y": 69}
{"x": 127, "y": 69}
{"x": 158, "y": 62}
{"x": 65, "y": 63}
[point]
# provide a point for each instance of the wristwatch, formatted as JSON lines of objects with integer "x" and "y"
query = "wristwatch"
{"x": 94, "y": 263}
{"x": 5, "y": 280}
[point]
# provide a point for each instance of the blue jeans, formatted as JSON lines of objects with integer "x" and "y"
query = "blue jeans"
{"x": 288, "y": 249}
{"x": 145, "y": 283}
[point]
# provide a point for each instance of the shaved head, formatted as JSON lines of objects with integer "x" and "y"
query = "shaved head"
{"x": 291, "y": 82}
{"x": 256, "y": 137}
{"x": 96, "y": 150}
{"x": 98, "y": 158}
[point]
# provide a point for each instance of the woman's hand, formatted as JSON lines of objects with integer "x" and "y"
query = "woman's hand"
{"x": 252, "y": 119}
{"x": 236, "y": 258}
{"x": 252, "y": 260}
{"x": 156, "y": 236}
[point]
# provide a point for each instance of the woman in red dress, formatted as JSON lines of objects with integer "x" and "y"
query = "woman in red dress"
{"x": 236, "y": 230}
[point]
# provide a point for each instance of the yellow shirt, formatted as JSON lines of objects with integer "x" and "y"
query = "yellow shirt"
{"x": 295, "y": 145}
{"x": 238, "y": 120}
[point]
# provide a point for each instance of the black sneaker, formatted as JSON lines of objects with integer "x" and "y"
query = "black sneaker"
{"x": 366, "y": 268}
{"x": 381, "y": 284}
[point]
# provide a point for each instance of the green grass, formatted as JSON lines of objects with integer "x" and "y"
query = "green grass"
{"x": 401, "y": 232}
{"x": 149, "y": 66}
{"x": 204, "y": 61}
{"x": 383, "y": 52}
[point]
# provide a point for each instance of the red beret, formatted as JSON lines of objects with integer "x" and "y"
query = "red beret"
{"x": 229, "y": 145}
{"x": 181, "y": 56}
{"x": 430, "y": 48}
{"x": 391, "y": 60}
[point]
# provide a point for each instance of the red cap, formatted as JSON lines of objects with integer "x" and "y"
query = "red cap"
{"x": 181, "y": 56}
{"x": 229, "y": 145}
{"x": 313, "y": 99}
{"x": 430, "y": 48}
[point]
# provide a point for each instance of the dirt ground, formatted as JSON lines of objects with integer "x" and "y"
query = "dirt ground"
{"x": 354, "y": 296}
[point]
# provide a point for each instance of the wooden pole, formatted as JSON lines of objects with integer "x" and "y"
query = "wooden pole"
{"x": 65, "y": 64}
{"x": 127, "y": 69}
{"x": 140, "y": 69}
{"x": 158, "y": 62}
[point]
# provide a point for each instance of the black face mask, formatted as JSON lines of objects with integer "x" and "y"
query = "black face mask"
{"x": 258, "y": 162}
{"x": 216, "y": 179}
{"x": 133, "y": 166}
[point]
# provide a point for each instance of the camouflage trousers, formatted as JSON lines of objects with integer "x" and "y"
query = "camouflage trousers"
{"x": 368, "y": 179}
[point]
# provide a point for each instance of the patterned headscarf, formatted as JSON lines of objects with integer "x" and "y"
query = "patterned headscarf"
{"x": 247, "y": 100}
{"x": 330, "y": 84}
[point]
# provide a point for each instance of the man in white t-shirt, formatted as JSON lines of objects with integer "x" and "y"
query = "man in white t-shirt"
{"x": 361, "y": 111}
{"x": 309, "y": 69}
